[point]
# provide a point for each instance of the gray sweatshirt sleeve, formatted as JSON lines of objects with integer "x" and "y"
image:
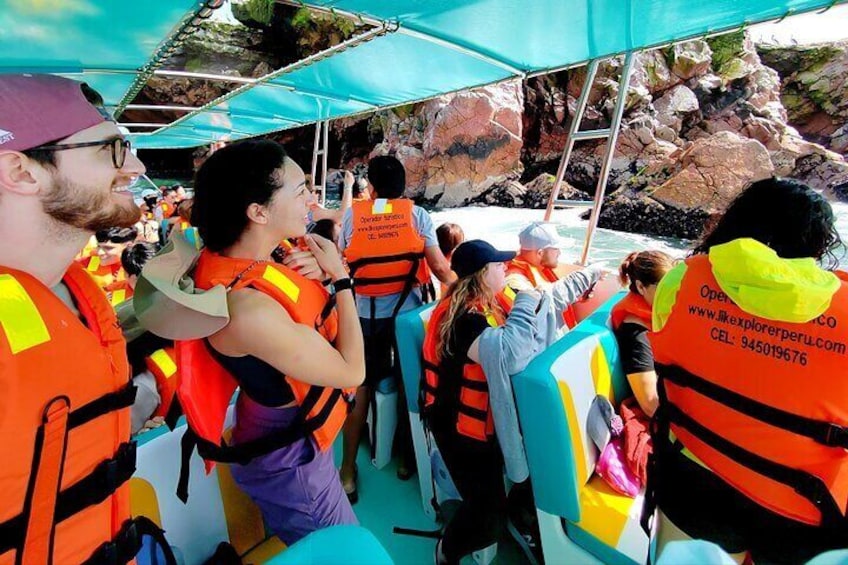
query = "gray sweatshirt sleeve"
{"x": 519, "y": 332}
{"x": 570, "y": 288}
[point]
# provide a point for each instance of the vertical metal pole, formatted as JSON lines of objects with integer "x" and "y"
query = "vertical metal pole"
{"x": 326, "y": 148}
{"x": 591, "y": 70}
{"x": 615, "y": 126}
{"x": 315, "y": 153}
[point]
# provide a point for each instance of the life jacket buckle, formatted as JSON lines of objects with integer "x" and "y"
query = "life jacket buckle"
{"x": 837, "y": 436}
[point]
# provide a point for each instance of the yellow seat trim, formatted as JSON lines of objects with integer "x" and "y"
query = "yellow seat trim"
{"x": 603, "y": 512}
{"x": 93, "y": 264}
{"x": 601, "y": 376}
{"x": 282, "y": 282}
{"x": 21, "y": 321}
{"x": 143, "y": 501}
{"x": 574, "y": 432}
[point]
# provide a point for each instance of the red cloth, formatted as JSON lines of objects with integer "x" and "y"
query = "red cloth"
{"x": 637, "y": 438}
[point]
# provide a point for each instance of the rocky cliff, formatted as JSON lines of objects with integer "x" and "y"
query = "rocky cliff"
{"x": 702, "y": 119}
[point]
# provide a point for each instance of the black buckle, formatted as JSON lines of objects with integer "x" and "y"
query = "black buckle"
{"x": 836, "y": 436}
{"x": 117, "y": 470}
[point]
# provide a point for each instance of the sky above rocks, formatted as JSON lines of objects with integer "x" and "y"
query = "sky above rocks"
{"x": 805, "y": 28}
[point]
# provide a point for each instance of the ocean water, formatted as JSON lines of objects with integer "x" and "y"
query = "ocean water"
{"x": 500, "y": 227}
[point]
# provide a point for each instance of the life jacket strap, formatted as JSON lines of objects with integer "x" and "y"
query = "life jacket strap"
{"x": 477, "y": 386}
{"x": 128, "y": 543}
{"x": 411, "y": 256}
{"x": 825, "y": 433}
{"x": 175, "y": 411}
{"x": 471, "y": 412}
{"x": 243, "y": 453}
{"x": 38, "y": 516}
{"x": 109, "y": 402}
{"x": 805, "y": 484}
{"x": 93, "y": 489}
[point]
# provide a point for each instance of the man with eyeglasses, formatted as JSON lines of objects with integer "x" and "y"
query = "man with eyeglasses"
{"x": 65, "y": 172}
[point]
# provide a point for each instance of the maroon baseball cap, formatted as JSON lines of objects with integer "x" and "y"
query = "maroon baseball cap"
{"x": 37, "y": 109}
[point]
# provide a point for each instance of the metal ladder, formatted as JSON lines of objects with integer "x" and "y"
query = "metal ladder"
{"x": 319, "y": 149}
{"x": 575, "y": 135}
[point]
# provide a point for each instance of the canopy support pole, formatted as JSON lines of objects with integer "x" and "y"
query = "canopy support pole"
{"x": 574, "y": 135}
{"x": 615, "y": 127}
{"x": 319, "y": 149}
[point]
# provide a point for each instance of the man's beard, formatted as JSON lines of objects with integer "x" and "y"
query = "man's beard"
{"x": 87, "y": 208}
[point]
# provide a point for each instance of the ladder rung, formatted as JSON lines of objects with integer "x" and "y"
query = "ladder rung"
{"x": 592, "y": 134}
{"x": 574, "y": 203}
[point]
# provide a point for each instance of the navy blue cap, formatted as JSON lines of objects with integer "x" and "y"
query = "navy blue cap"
{"x": 473, "y": 255}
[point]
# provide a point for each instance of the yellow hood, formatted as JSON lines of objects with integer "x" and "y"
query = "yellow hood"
{"x": 765, "y": 285}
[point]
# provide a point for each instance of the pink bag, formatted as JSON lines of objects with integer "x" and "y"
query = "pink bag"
{"x": 612, "y": 468}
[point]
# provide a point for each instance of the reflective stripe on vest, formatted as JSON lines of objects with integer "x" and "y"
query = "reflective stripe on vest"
{"x": 759, "y": 401}
{"x": 164, "y": 368}
{"x": 93, "y": 264}
{"x": 23, "y": 325}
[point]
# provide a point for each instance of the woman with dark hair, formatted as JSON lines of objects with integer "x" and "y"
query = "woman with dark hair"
{"x": 749, "y": 340}
{"x": 293, "y": 357}
{"x": 641, "y": 271}
{"x": 784, "y": 214}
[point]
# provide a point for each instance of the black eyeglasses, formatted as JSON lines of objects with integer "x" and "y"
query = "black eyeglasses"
{"x": 119, "y": 148}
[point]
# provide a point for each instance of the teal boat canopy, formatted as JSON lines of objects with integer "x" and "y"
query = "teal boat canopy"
{"x": 409, "y": 51}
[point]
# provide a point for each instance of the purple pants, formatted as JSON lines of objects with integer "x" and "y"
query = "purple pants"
{"x": 297, "y": 487}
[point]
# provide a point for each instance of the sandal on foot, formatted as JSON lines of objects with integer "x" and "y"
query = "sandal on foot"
{"x": 350, "y": 487}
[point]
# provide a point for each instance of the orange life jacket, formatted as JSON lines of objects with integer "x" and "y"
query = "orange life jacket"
{"x": 634, "y": 305}
{"x": 536, "y": 276}
{"x": 473, "y": 412}
{"x": 204, "y": 387}
{"x": 167, "y": 209}
{"x": 386, "y": 253}
{"x": 162, "y": 363}
{"x": 761, "y": 403}
{"x": 119, "y": 291}
{"x": 65, "y": 424}
{"x": 104, "y": 275}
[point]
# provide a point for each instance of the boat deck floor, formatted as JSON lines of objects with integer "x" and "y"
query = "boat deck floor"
{"x": 385, "y": 502}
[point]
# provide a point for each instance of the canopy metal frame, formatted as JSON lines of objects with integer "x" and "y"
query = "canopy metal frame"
{"x": 320, "y": 148}
{"x": 610, "y": 134}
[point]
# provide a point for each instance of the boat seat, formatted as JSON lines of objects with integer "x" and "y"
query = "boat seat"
{"x": 581, "y": 519}
{"x": 245, "y": 525}
{"x": 385, "y": 402}
{"x": 409, "y": 332}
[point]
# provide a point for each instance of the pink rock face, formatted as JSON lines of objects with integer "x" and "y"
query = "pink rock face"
{"x": 458, "y": 146}
{"x": 714, "y": 170}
